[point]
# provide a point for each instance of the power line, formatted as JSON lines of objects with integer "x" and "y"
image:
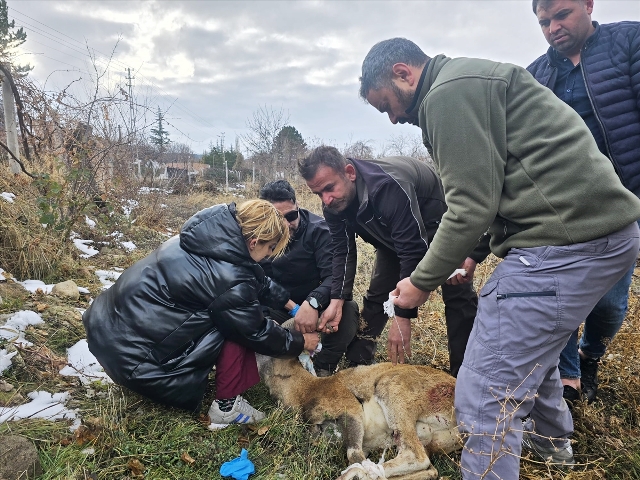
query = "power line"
{"x": 110, "y": 60}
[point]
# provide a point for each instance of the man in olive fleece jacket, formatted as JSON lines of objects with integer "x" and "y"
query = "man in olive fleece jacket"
{"x": 516, "y": 161}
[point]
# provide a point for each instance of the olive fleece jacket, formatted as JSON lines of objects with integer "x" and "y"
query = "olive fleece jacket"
{"x": 514, "y": 160}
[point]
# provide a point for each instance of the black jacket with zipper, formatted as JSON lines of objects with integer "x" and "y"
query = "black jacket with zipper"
{"x": 305, "y": 267}
{"x": 160, "y": 328}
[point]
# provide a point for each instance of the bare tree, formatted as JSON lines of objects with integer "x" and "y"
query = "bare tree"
{"x": 360, "y": 149}
{"x": 405, "y": 145}
{"x": 264, "y": 126}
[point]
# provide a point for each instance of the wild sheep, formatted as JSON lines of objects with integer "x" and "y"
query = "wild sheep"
{"x": 375, "y": 407}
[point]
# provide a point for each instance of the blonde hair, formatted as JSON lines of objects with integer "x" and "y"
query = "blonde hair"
{"x": 260, "y": 220}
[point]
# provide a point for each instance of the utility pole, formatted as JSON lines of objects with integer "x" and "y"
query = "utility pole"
{"x": 132, "y": 121}
{"x": 226, "y": 170}
{"x": 10, "y": 114}
{"x": 131, "y": 110}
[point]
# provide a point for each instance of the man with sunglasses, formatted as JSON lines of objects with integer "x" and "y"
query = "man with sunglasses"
{"x": 305, "y": 271}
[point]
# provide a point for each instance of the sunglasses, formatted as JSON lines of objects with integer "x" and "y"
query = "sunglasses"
{"x": 291, "y": 216}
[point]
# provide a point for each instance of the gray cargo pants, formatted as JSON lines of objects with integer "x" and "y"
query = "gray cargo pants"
{"x": 534, "y": 300}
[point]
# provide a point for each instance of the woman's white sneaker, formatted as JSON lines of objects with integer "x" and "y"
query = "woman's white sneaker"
{"x": 241, "y": 412}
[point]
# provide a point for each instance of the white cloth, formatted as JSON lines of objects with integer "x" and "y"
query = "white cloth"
{"x": 388, "y": 306}
{"x": 305, "y": 360}
{"x": 373, "y": 470}
{"x": 457, "y": 271}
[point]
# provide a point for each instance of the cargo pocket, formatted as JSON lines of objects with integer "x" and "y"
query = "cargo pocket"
{"x": 528, "y": 312}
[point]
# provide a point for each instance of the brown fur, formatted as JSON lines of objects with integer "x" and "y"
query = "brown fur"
{"x": 376, "y": 406}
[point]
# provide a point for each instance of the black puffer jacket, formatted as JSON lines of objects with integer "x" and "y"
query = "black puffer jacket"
{"x": 160, "y": 328}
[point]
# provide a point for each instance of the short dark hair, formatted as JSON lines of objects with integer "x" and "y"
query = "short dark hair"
{"x": 323, "y": 155}
{"x": 543, "y": 3}
{"x": 534, "y": 4}
{"x": 377, "y": 67}
{"x": 278, "y": 191}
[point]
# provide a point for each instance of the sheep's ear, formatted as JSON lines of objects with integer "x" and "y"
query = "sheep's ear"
{"x": 289, "y": 324}
{"x": 262, "y": 360}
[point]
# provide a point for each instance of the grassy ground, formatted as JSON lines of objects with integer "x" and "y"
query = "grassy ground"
{"x": 134, "y": 438}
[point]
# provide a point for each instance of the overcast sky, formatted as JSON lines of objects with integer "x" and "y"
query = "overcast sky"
{"x": 211, "y": 64}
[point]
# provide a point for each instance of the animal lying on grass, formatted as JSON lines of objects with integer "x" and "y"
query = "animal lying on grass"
{"x": 375, "y": 406}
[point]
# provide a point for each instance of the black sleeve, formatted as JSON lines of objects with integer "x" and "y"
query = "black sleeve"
{"x": 272, "y": 294}
{"x": 397, "y": 207}
{"x": 238, "y": 317}
{"x": 344, "y": 256}
{"x": 321, "y": 238}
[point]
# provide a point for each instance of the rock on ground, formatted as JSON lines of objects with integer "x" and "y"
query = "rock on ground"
{"x": 18, "y": 458}
{"x": 67, "y": 289}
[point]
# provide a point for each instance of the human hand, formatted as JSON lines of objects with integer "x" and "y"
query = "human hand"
{"x": 399, "y": 340}
{"x": 330, "y": 318}
{"x": 306, "y": 320}
{"x": 469, "y": 265}
{"x": 409, "y": 296}
{"x": 311, "y": 341}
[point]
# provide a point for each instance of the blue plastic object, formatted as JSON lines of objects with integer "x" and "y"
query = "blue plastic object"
{"x": 239, "y": 468}
{"x": 294, "y": 310}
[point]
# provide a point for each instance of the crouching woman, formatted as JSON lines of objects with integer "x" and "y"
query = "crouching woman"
{"x": 194, "y": 303}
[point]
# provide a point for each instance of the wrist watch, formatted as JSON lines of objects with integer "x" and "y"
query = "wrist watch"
{"x": 313, "y": 301}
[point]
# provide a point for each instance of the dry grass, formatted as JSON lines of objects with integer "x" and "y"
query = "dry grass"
{"x": 27, "y": 250}
{"x": 123, "y": 427}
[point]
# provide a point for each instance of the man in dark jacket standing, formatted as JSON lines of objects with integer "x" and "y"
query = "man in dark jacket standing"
{"x": 305, "y": 271}
{"x": 395, "y": 204}
{"x": 595, "y": 69}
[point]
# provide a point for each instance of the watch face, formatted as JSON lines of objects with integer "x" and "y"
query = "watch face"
{"x": 313, "y": 302}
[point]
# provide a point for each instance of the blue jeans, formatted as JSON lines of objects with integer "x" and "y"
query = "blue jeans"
{"x": 600, "y": 326}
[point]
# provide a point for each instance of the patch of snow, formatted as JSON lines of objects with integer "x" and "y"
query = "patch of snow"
{"x": 129, "y": 246}
{"x": 8, "y": 197}
{"x": 4, "y": 275}
{"x": 116, "y": 234}
{"x": 88, "y": 221}
{"x": 82, "y": 364}
{"x": 218, "y": 426}
{"x": 107, "y": 277}
{"x": 43, "y": 405}
{"x": 162, "y": 205}
{"x": 128, "y": 207}
{"x": 34, "y": 285}
{"x": 5, "y": 359}
{"x": 118, "y": 269}
{"x": 13, "y": 329}
{"x": 86, "y": 250}
{"x": 89, "y": 451}
{"x": 145, "y": 190}
{"x": 83, "y": 290}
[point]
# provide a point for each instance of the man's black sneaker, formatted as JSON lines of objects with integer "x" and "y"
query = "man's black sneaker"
{"x": 571, "y": 396}
{"x": 589, "y": 377}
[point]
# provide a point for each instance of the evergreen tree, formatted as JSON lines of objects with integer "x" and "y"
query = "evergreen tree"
{"x": 159, "y": 136}
{"x": 214, "y": 157}
{"x": 288, "y": 147}
{"x": 10, "y": 39}
{"x": 288, "y": 140}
